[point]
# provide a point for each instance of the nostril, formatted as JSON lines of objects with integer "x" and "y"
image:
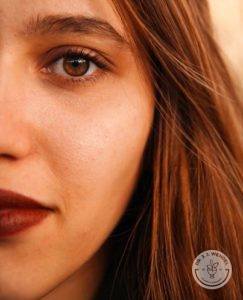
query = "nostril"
{"x": 8, "y": 156}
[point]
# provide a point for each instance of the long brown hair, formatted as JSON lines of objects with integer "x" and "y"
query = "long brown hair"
{"x": 189, "y": 195}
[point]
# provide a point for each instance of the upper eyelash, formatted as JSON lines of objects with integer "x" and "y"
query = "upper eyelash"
{"x": 86, "y": 55}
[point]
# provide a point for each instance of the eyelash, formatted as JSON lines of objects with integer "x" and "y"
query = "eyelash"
{"x": 88, "y": 55}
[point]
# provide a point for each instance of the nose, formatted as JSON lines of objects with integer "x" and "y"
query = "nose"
{"x": 14, "y": 136}
{"x": 14, "y": 142}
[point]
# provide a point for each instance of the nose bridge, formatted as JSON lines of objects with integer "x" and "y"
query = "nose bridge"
{"x": 14, "y": 126}
{"x": 10, "y": 71}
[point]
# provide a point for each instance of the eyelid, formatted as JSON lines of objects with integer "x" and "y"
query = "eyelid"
{"x": 59, "y": 51}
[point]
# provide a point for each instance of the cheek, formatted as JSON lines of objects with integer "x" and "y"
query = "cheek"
{"x": 96, "y": 157}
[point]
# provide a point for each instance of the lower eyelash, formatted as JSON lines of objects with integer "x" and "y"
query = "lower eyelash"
{"x": 89, "y": 79}
{"x": 84, "y": 80}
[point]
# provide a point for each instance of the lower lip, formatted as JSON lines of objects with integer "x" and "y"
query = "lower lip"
{"x": 15, "y": 220}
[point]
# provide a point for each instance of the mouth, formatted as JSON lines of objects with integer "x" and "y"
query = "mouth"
{"x": 19, "y": 212}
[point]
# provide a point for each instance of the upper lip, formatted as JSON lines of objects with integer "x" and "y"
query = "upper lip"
{"x": 11, "y": 199}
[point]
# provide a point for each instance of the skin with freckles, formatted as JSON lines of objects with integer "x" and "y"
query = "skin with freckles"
{"x": 73, "y": 144}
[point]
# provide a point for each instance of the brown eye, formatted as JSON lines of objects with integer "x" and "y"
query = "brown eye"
{"x": 75, "y": 66}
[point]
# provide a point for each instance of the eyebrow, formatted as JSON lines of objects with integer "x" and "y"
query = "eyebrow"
{"x": 59, "y": 24}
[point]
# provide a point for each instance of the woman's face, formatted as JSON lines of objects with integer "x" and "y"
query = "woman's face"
{"x": 72, "y": 136}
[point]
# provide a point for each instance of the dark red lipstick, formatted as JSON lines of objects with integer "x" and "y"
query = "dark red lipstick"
{"x": 19, "y": 212}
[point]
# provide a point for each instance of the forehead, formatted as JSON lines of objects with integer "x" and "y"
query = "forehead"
{"x": 15, "y": 12}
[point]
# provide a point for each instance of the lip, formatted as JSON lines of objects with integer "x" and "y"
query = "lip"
{"x": 19, "y": 212}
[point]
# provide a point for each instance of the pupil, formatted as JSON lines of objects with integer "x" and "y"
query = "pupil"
{"x": 75, "y": 62}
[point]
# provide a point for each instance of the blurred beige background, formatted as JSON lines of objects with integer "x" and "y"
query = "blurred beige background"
{"x": 228, "y": 21}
